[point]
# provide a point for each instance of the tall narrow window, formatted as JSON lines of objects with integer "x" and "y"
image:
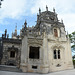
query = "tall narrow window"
{"x": 55, "y": 56}
{"x": 34, "y": 52}
{"x": 58, "y": 54}
{"x": 55, "y": 33}
{"x": 12, "y": 54}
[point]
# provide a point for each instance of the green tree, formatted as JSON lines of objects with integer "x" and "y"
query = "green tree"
{"x": 72, "y": 38}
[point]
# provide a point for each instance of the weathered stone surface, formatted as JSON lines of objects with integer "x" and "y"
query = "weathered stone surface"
{"x": 44, "y": 48}
{"x": 48, "y": 34}
{"x": 8, "y": 46}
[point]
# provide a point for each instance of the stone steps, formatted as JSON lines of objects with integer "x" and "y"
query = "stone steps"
{"x": 10, "y": 68}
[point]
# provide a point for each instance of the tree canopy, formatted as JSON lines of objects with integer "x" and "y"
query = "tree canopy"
{"x": 72, "y": 38}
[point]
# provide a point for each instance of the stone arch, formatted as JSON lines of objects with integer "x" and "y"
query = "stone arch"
{"x": 56, "y": 32}
{"x": 58, "y": 48}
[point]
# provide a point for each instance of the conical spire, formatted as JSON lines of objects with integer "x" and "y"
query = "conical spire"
{"x": 5, "y": 32}
{"x": 16, "y": 27}
{"x": 0, "y": 4}
{"x": 39, "y": 11}
{"x": 25, "y": 24}
{"x": 61, "y": 21}
{"x": 54, "y": 10}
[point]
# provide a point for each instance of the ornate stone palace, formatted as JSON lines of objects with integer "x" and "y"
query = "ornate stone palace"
{"x": 44, "y": 47}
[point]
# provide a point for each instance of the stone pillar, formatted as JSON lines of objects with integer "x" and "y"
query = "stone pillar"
{"x": 70, "y": 63}
{"x": 45, "y": 66}
{"x": 24, "y": 53}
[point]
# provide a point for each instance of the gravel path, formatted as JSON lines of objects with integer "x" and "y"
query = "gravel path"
{"x": 66, "y": 72}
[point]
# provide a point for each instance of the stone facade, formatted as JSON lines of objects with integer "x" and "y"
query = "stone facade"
{"x": 45, "y": 47}
{"x": 1, "y": 46}
{"x": 11, "y": 51}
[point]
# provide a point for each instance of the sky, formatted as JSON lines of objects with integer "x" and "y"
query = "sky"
{"x": 15, "y": 12}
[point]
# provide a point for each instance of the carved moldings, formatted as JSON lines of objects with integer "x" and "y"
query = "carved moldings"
{"x": 35, "y": 41}
{"x": 57, "y": 46}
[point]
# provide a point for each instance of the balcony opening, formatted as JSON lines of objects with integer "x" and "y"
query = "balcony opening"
{"x": 34, "y": 52}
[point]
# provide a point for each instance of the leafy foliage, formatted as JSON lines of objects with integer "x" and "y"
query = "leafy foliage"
{"x": 74, "y": 63}
{"x": 72, "y": 38}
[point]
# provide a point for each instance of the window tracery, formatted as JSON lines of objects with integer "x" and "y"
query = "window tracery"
{"x": 56, "y": 54}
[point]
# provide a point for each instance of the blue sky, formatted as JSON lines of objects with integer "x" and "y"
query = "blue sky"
{"x": 16, "y": 11}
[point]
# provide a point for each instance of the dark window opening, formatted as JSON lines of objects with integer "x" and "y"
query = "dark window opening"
{"x": 12, "y": 54}
{"x": 58, "y": 54}
{"x": 34, "y": 52}
{"x": 55, "y": 56}
{"x": 34, "y": 67}
{"x": 11, "y": 64}
{"x": 55, "y": 33}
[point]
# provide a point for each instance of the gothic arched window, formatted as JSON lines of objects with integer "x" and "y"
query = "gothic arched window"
{"x": 56, "y": 54}
{"x": 55, "y": 33}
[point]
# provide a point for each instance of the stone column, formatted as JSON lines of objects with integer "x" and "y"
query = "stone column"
{"x": 23, "y": 64}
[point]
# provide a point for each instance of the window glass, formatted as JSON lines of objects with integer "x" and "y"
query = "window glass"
{"x": 12, "y": 54}
{"x": 55, "y": 56}
{"x": 58, "y": 54}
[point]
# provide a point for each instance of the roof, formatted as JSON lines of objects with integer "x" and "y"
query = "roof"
{"x": 10, "y": 40}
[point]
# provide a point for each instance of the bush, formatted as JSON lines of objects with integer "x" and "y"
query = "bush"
{"x": 74, "y": 63}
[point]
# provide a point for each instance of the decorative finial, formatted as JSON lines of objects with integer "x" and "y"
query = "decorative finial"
{"x": 16, "y": 26}
{"x": 54, "y": 10}
{"x": 39, "y": 11}
{"x": 5, "y": 32}
{"x": 25, "y": 24}
{"x": 61, "y": 21}
{"x": 46, "y": 8}
{"x": 0, "y": 4}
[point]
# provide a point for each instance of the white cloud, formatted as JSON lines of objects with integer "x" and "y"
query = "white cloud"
{"x": 15, "y": 9}
{"x": 69, "y": 21}
{"x": 64, "y": 9}
{"x": 12, "y": 9}
{"x": 1, "y": 32}
{"x": 60, "y": 5}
